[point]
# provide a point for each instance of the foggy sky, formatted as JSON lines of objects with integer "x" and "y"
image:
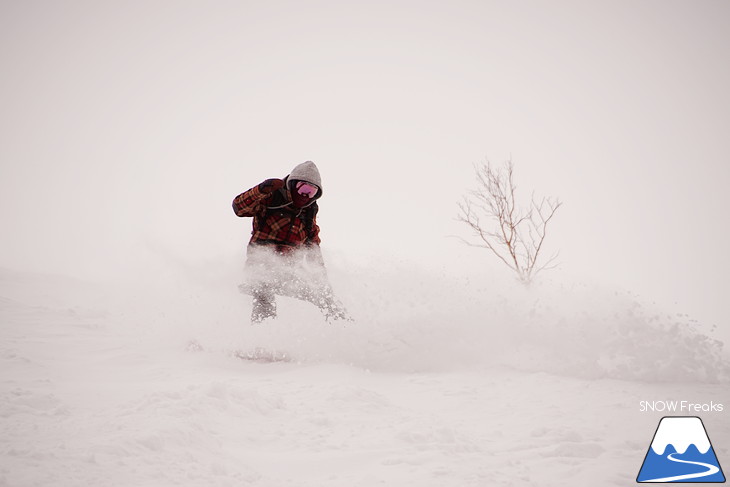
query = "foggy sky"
{"x": 128, "y": 127}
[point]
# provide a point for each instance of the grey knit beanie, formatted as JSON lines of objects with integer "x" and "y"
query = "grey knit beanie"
{"x": 307, "y": 171}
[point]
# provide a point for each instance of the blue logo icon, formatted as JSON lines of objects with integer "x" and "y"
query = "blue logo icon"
{"x": 680, "y": 452}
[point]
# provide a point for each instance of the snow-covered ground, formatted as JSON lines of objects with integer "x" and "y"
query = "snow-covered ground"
{"x": 441, "y": 381}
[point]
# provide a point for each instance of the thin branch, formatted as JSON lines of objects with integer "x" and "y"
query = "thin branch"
{"x": 495, "y": 198}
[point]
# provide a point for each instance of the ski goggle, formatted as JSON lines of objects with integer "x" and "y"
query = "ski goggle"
{"x": 306, "y": 189}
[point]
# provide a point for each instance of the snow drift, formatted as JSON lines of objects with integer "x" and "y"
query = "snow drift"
{"x": 440, "y": 380}
{"x": 411, "y": 319}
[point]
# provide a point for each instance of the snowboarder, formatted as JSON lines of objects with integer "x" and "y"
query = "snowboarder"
{"x": 283, "y": 255}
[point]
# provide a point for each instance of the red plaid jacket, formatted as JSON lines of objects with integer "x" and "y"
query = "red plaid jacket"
{"x": 276, "y": 221}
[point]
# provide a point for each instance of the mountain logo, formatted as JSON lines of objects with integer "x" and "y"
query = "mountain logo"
{"x": 680, "y": 452}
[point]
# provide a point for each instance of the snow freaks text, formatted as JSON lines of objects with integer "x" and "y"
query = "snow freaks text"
{"x": 680, "y": 407}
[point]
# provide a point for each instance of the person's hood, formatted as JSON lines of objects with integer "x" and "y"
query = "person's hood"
{"x": 308, "y": 172}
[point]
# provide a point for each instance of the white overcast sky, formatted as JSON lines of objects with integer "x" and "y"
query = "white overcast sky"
{"x": 127, "y": 126}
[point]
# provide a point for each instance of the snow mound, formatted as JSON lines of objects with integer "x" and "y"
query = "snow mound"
{"x": 408, "y": 319}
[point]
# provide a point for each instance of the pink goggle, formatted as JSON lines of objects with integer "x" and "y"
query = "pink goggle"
{"x": 306, "y": 189}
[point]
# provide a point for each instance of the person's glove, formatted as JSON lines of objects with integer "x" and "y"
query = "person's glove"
{"x": 271, "y": 185}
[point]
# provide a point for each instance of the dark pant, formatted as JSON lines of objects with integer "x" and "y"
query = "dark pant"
{"x": 296, "y": 274}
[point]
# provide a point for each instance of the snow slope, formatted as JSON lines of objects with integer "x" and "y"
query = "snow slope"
{"x": 447, "y": 381}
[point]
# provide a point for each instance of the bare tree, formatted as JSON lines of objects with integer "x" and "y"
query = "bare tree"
{"x": 514, "y": 235}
